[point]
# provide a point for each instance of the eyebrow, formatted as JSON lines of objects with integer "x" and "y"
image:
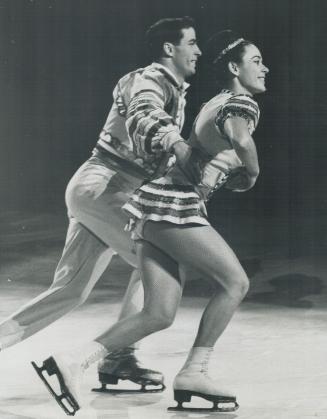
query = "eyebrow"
{"x": 256, "y": 56}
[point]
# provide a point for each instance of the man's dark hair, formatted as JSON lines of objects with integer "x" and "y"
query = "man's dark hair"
{"x": 166, "y": 30}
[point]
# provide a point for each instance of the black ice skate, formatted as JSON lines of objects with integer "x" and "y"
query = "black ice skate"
{"x": 220, "y": 403}
{"x": 119, "y": 366}
{"x": 66, "y": 400}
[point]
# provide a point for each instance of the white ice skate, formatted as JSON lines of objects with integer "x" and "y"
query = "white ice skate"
{"x": 201, "y": 385}
{"x": 193, "y": 380}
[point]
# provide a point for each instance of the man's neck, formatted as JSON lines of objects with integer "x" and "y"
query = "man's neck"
{"x": 167, "y": 63}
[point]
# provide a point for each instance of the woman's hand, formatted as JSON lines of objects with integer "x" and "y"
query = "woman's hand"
{"x": 240, "y": 181}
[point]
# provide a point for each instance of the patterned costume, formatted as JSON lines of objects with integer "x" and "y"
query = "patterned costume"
{"x": 173, "y": 197}
{"x": 145, "y": 120}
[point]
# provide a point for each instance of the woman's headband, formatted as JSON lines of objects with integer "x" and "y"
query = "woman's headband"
{"x": 227, "y": 49}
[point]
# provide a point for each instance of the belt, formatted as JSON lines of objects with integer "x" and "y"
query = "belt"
{"x": 128, "y": 166}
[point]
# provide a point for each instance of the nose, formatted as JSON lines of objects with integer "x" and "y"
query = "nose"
{"x": 265, "y": 69}
{"x": 198, "y": 51}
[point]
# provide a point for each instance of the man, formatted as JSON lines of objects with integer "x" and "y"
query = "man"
{"x": 141, "y": 132}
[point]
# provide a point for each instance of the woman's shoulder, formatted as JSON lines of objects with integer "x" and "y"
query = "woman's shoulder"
{"x": 239, "y": 99}
{"x": 240, "y": 104}
{"x": 237, "y": 105}
{"x": 227, "y": 98}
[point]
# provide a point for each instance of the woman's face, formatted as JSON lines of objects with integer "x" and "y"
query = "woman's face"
{"x": 251, "y": 71}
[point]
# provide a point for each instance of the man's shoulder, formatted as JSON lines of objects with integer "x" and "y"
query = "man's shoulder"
{"x": 151, "y": 72}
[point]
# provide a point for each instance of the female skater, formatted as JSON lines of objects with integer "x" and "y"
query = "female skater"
{"x": 169, "y": 224}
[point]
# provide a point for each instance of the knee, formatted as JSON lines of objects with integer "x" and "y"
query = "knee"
{"x": 158, "y": 321}
{"x": 236, "y": 284}
{"x": 244, "y": 285}
{"x": 70, "y": 295}
{"x": 239, "y": 286}
{"x": 163, "y": 321}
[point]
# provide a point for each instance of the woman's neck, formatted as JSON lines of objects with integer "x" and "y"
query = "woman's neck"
{"x": 237, "y": 88}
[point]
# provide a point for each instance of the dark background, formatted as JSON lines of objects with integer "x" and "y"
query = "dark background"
{"x": 60, "y": 59}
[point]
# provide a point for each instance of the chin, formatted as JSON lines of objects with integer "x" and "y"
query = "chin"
{"x": 259, "y": 90}
{"x": 263, "y": 87}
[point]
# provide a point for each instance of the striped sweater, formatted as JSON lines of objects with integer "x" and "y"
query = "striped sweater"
{"x": 146, "y": 117}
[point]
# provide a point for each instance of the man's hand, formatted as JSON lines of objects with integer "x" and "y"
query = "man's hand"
{"x": 188, "y": 161}
{"x": 240, "y": 181}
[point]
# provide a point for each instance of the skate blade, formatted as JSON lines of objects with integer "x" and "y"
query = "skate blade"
{"x": 218, "y": 409}
{"x": 143, "y": 389}
{"x": 220, "y": 403}
{"x": 50, "y": 366}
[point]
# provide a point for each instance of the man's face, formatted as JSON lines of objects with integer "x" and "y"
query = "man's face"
{"x": 186, "y": 53}
{"x": 251, "y": 71}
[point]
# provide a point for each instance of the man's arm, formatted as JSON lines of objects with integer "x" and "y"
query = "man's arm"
{"x": 151, "y": 128}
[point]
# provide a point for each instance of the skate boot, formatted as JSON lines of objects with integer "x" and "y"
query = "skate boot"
{"x": 193, "y": 380}
{"x": 68, "y": 368}
{"x": 123, "y": 365}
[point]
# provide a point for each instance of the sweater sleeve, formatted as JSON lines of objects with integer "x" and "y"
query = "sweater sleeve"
{"x": 149, "y": 126}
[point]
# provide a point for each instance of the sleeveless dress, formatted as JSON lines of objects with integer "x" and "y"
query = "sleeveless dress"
{"x": 173, "y": 197}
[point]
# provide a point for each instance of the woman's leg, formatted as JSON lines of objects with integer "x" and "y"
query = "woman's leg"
{"x": 162, "y": 294}
{"x": 202, "y": 248}
{"x": 123, "y": 364}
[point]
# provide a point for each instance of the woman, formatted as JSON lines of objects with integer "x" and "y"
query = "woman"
{"x": 170, "y": 226}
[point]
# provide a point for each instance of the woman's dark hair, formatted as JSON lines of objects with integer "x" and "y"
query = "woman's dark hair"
{"x": 166, "y": 30}
{"x": 220, "y": 49}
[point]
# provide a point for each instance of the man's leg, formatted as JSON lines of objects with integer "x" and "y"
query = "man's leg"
{"x": 85, "y": 256}
{"x": 83, "y": 261}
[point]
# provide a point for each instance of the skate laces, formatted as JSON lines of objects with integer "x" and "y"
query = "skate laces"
{"x": 205, "y": 364}
{"x": 95, "y": 356}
